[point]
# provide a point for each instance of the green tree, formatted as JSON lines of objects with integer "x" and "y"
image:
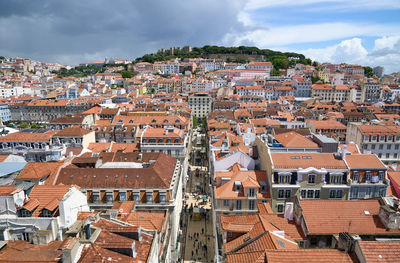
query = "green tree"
{"x": 125, "y": 74}
{"x": 280, "y": 62}
{"x": 35, "y": 126}
{"x": 275, "y": 72}
{"x": 205, "y": 124}
{"x": 195, "y": 122}
{"x": 315, "y": 79}
{"x": 23, "y": 125}
{"x": 368, "y": 72}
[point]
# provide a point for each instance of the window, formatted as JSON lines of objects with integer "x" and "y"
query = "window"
{"x": 396, "y": 147}
{"x": 355, "y": 176}
{"x": 287, "y": 193}
{"x": 316, "y": 194}
{"x": 379, "y": 155}
{"x": 135, "y": 196}
{"x": 372, "y": 146}
{"x": 281, "y": 193}
{"x": 46, "y": 213}
{"x": 339, "y": 193}
{"x": 163, "y": 198}
{"x": 149, "y": 197}
{"x": 238, "y": 204}
{"x": 368, "y": 175}
{"x": 238, "y": 185}
{"x": 109, "y": 197}
{"x": 397, "y": 138}
{"x": 389, "y": 146}
{"x": 303, "y": 193}
{"x": 381, "y": 175}
{"x": 122, "y": 196}
{"x": 336, "y": 179}
{"x": 226, "y": 202}
{"x": 366, "y": 138}
{"x": 310, "y": 194}
{"x": 96, "y": 197}
{"x": 390, "y": 138}
{"x": 395, "y": 155}
{"x": 388, "y": 155}
{"x": 382, "y": 138}
{"x": 284, "y": 179}
{"x": 251, "y": 204}
{"x": 280, "y": 208}
{"x": 25, "y": 213}
{"x": 251, "y": 192}
{"x": 311, "y": 178}
{"x": 374, "y": 138}
{"x": 380, "y": 146}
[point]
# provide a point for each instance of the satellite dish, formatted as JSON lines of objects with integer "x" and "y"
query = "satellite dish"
{"x": 19, "y": 201}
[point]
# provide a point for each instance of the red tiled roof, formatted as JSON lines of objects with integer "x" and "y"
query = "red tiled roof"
{"x": 335, "y": 216}
{"x": 380, "y": 251}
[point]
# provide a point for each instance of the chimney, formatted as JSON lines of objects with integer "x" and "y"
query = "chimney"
{"x": 134, "y": 253}
{"x": 87, "y": 231}
{"x": 344, "y": 150}
{"x": 166, "y": 131}
{"x": 346, "y": 242}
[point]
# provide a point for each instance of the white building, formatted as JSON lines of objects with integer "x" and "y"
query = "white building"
{"x": 200, "y": 103}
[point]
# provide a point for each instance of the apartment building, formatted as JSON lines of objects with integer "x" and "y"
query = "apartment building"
{"x": 384, "y": 141}
{"x": 306, "y": 176}
{"x": 371, "y": 91}
{"x": 327, "y": 92}
{"x": 200, "y": 104}
{"x": 368, "y": 176}
{"x": 303, "y": 87}
{"x": 169, "y": 140}
{"x": 240, "y": 190}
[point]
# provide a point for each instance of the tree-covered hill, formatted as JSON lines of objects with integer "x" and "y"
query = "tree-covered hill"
{"x": 239, "y": 54}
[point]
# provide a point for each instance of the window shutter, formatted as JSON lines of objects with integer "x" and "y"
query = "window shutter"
{"x": 327, "y": 178}
{"x": 293, "y": 178}
{"x": 276, "y": 178}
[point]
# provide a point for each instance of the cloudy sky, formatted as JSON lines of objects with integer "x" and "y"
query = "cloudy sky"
{"x": 354, "y": 31}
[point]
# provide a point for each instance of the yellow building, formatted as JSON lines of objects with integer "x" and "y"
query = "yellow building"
{"x": 142, "y": 90}
{"x": 324, "y": 75}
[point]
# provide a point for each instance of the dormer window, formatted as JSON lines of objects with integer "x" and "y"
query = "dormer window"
{"x": 311, "y": 178}
{"x": 238, "y": 186}
{"x": 263, "y": 186}
{"x": 130, "y": 121}
{"x": 252, "y": 192}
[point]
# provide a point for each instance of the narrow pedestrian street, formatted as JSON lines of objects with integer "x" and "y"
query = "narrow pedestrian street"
{"x": 196, "y": 224}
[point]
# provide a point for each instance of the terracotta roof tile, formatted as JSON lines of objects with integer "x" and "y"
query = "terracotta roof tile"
{"x": 380, "y": 251}
{"x": 72, "y": 132}
{"x": 295, "y": 140}
{"x": 22, "y": 251}
{"x": 305, "y": 160}
{"x": 360, "y": 161}
{"x": 335, "y": 216}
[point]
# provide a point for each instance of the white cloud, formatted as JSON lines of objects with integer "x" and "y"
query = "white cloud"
{"x": 308, "y": 33}
{"x": 352, "y": 51}
{"x": 329, "y": 4}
